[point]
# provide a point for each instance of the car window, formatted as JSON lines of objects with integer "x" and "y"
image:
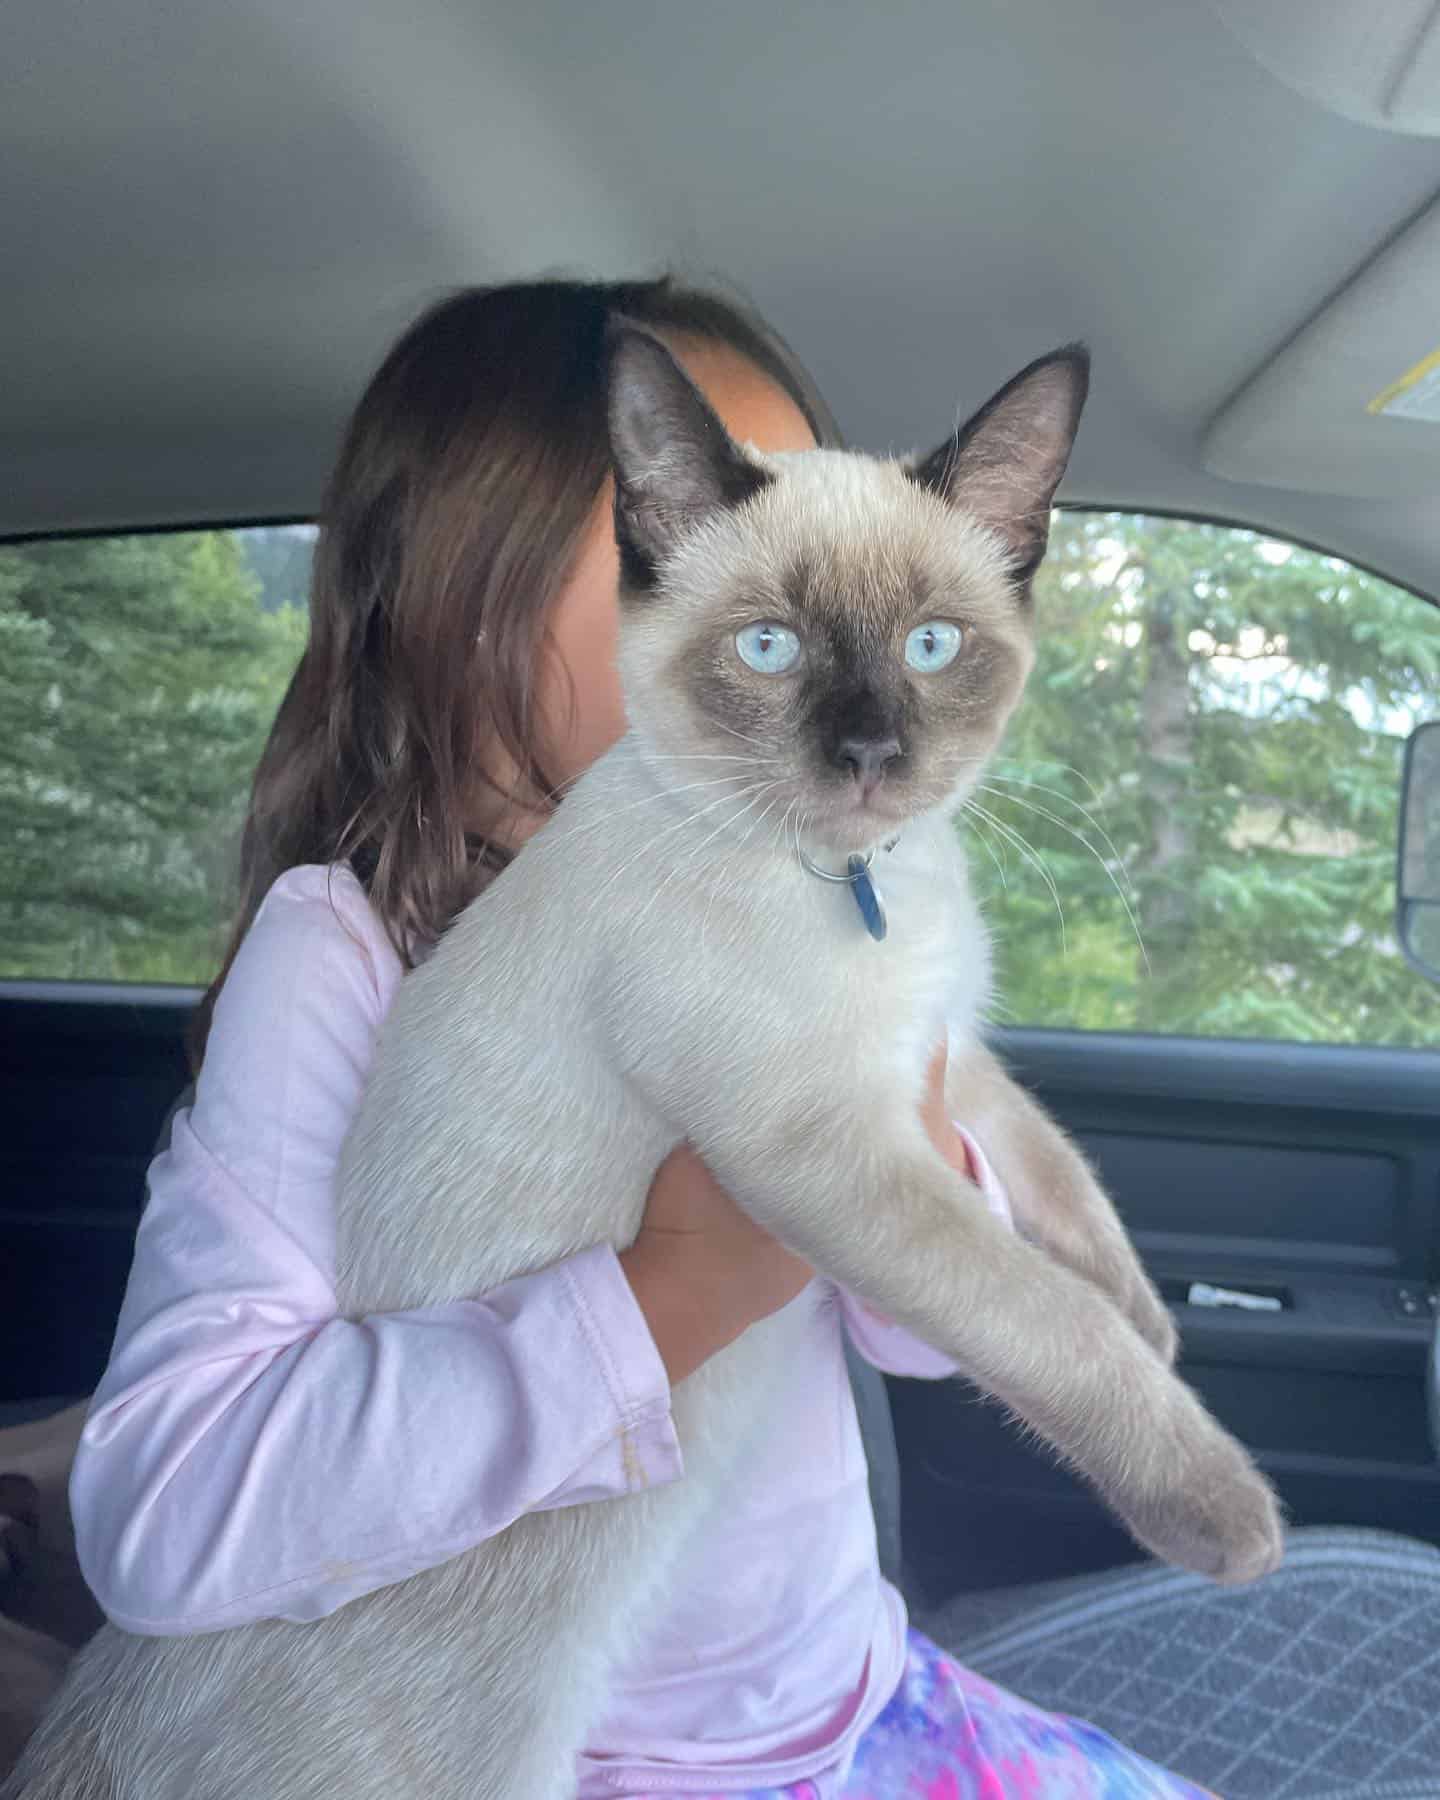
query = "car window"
{"x": 1191, "y": 827}
{"x": 138, "y": 678}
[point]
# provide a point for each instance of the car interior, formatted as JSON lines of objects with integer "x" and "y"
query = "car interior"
{"x": 216, "y": 218}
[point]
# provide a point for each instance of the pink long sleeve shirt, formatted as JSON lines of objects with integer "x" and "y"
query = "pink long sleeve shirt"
{"x": 251, "y": 1454}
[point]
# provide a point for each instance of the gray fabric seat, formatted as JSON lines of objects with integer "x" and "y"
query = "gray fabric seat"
{"x": 1321, "y": 1683}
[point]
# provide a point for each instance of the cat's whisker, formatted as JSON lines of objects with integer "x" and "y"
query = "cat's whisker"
{"x": 984, "y": 840}
{"x": 699, "y": 849}
{"x": 668, "y": 756}
{"x": 784, "y": 821}
{"x": 743, "y": 736}
{"x": 1064, "y": 768}
{"x": 725, "y": 824}
{"x": 756, "y": 826}
{"x": 653, "y": 799}
{"x": 1080, "y": 838}
{"x": 723, "y": 869}
{"x": 1032, "y": 857}
{"x": 558, "y": 792}
{"x": 677, "y": 825}
{"x": 1039, "y": 787}
{"x": 802, "y": 825}
{"x": 647, "y": 757}
{"x": 653, "y": 759}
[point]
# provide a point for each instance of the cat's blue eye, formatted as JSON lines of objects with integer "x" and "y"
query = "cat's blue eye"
{"x": 932, "y": 646}
{"x": 767, "y": 648}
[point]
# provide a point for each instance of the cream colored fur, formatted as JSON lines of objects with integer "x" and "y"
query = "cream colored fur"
{"x": 655, "y": 966}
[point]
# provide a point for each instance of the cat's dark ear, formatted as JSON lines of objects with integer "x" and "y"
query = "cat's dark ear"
{"x": 674, "y": 461}
{"x": 1004, "y": 465}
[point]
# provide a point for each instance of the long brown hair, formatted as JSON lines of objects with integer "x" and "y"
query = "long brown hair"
{"x": 465, "y": 481}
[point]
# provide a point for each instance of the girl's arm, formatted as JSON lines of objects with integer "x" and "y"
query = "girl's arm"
{"x": 249, "y": 1454}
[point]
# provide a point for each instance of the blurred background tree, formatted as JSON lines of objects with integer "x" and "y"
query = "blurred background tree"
{"x": 1212, "y": 740}
{"x": 1207, "y": 759}
{"x": 138, "y": 678}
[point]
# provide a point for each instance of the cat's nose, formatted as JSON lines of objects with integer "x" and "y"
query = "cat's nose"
{"x": 867, "y": 758}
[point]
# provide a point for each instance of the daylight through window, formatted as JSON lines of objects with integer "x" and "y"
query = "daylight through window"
{"x": 1191, "y": 827}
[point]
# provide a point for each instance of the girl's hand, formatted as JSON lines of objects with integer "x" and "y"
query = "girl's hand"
{"x": 935, "y": 1117}
{"x": 702, "y": 1270}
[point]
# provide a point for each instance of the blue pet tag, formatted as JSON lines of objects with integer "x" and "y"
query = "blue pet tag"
{"x": 867, "y": 897}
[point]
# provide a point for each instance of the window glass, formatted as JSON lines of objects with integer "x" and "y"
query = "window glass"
{"x": 138, "y": 679}
{"x": 1191, "y": 826}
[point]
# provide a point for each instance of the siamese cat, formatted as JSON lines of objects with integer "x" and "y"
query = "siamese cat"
{"x": 765, "y": 975}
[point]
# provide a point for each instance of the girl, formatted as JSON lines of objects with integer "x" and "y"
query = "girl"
{"x": 250, "y": 1454}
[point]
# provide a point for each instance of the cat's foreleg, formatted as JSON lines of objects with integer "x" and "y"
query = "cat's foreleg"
{"x": 859, "y": 1190}
{"x": 1054, "y": 1195}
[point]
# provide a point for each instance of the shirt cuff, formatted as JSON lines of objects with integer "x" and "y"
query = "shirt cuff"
{"x": 991, "y": 1187}
{"x": 644, "y": 1451}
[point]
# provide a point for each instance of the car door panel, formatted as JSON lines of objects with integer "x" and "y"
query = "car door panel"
{"x": 1302, "y": 1174}
{"x": 87, "y": 1075}
{"x": 1306, "y": 1172}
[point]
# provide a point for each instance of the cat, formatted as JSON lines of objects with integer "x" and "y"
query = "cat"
{"x": 651, "y": 970}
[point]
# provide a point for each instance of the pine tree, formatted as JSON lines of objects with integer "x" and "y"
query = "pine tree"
{"x": 138, "y": 677}
{"x": 1231, "y": 713}
{"x": 1207, "y": 759}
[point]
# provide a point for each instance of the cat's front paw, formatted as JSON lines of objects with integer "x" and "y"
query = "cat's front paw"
{"x": 1215, "y": 1512}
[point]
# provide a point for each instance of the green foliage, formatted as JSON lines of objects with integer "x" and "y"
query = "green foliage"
{"x": 1229, "y": 712}
{"x": 1231, "y": 715}
{"x": 138, "y": 678}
